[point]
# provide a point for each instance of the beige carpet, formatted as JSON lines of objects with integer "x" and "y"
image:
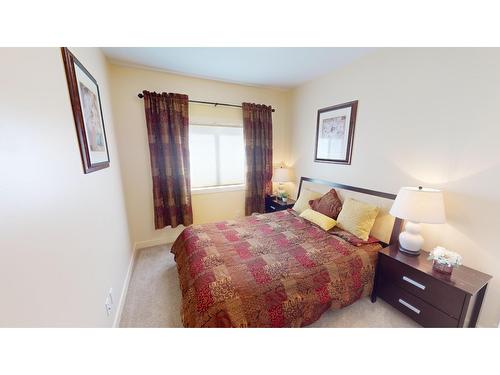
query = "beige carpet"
{"x": 154, "y": 298}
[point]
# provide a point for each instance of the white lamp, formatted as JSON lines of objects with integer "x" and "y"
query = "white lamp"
{"x": 417, "y": 205}
{"x": 280, "y": 175}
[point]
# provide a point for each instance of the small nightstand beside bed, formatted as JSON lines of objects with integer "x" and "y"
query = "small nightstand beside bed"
{"x": 432, "y": 299}
{"x": 274, "y": 204}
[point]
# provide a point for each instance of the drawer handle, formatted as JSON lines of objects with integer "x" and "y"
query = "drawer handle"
{"x": 413, "y": 282}
{"x": 412, "y": 308}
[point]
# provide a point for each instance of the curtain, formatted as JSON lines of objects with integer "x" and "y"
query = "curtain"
{"x": 168, "y": 125}
{"x": 258, "y": 135}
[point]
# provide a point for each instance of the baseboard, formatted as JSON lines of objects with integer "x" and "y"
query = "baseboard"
{"x": 123, "y": 296}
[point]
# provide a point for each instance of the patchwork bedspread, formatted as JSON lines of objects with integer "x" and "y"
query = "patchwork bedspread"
{"x": 269, "y": 270}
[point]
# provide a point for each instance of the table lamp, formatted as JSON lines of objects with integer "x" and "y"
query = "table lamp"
{"x": 281, "y": 175}
{"x": 417, "y": 205}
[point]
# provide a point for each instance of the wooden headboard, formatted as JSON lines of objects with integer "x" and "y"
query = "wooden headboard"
{"x": 396, "y": 228}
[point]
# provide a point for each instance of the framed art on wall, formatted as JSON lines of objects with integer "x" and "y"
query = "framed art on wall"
{"x": 335, "y": 133}
{"x": 87, "y": 113}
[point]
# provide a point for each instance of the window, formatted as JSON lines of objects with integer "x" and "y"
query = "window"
{"x": 217, "y": 155}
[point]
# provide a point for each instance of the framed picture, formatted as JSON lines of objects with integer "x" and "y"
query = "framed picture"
{"x": 87, "y": 112}
{"x": 335, "y": 133}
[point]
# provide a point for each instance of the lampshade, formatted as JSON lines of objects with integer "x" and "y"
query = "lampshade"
{"x": 281, "y": 175}
{"x": 420, "y": 205}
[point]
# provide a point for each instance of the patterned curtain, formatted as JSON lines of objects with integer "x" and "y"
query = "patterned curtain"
{"x": 258, "y": 134}
{"x": 168, "y": 125}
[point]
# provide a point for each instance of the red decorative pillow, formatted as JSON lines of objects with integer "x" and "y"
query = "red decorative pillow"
{"x": 351, "y": 238}
{"x": 329, "y": 204}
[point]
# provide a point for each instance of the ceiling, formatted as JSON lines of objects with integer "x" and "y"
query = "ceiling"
{"x": 274, "y": 66}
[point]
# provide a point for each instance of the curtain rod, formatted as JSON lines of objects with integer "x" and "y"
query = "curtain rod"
{"x": 202, "y": 102}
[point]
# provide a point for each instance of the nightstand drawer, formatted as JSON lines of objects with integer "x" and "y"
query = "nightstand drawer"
{"x": 446, "y": 298}
{"x": 271, "y": 208}
{"x": 273, "y": 205}
{"x": 420, "y": 311}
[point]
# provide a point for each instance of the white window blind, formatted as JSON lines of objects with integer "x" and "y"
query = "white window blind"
{"x": 217, "y": 155}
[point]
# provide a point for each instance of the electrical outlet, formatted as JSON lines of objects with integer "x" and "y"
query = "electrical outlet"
{"x": 108, "y": 304}
{"x": 108, "y": 308}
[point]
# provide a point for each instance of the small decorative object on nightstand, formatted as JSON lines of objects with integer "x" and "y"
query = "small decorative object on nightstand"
{"x": 417, "y": 205}
{"x": 431, "y": 298}
{"x": 274, "y": 204}
{"x": 444, "y": 260}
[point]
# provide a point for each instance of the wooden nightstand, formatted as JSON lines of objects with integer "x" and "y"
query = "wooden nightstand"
{"x": 273, "y": 204}
{"x": 430, "y": 298}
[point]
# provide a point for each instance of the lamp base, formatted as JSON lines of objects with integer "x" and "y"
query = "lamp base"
{"x": 281, "y": 190}
{"x": 411, "y": 241}
{"x": 409, "y": 252}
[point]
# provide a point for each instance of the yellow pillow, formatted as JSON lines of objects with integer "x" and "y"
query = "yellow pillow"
{"x": 303, "y": 202}
{"x": 323, "y": 221}
{"x": 357, "y": 217}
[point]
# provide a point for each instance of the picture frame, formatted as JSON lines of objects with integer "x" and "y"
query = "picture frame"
{"x": 335, "y": 133}
{"x": 87, "y": 113}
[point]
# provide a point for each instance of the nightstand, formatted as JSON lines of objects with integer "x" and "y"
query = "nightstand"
{"x": 430, "y": 298}
{"x": 273, "y": 204}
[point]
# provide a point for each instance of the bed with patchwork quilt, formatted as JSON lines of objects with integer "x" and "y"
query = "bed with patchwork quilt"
{"x": 269, "y": 270}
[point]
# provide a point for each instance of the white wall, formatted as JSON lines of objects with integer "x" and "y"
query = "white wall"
{"x": 126, "y": 83}
{"x": 425, "y": 116}
{"x": 63, "y": 235}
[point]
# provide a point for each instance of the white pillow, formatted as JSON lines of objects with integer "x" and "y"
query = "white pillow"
{"x": 305, "y": 196}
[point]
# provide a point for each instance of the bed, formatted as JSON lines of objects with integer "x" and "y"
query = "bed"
{"x": 272, "y": 270}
